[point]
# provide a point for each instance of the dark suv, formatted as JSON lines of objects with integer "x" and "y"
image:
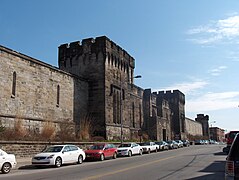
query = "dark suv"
{"x": 232, "y": 162}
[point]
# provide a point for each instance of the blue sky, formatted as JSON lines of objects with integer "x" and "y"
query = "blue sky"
{"x": 188, "y": 45}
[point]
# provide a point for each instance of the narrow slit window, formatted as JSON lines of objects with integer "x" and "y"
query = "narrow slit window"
{"x": 133, "y": 118}
{"x": 58, "y": 96}
{"x": 14, "y": 78}
{"x": 114, "y": 109}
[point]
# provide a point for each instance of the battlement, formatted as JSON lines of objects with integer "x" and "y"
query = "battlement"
{"x": 91, "y": 45}
{"x": 169, "y": 92}
{"x": 201, "y": 117}
{"x": 79, "y": 47}
{"x": 172, "y": 95}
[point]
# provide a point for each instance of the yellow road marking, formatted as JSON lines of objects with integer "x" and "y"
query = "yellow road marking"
{"x": 125, "y": 169}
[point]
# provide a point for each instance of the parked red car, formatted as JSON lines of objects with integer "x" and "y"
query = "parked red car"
{"x": 101, "y": 151}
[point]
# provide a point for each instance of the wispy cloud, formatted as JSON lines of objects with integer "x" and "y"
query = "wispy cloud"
{"x": 186, "y": 87}
{"x": 213, "y": 101}
{"x": 216, "y": 31}
{"x": 217, "y": 71}
{"x": 198, "y": 101}
{"x": 233, "y": 55}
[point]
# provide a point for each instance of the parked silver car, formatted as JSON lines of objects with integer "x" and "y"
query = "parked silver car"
{"x": 59, "y": 154}
{"x": 172, "y": 144}
{"x": 162, "y": 145}
{"x": 186, "y": 143}
{"x": 180, "y": 143}
{"x": 129, "y": 149}
{"x": 7, "y": 162}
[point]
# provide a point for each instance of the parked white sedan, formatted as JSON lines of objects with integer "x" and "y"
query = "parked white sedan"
{"x": 129, "y": 149}
{"x": 59, "y": 154}
{"x": 7, "y": 162}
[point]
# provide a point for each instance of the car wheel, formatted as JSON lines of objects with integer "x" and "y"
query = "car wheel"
{"x": 140, "y": 152}
{"x": 80, "y": 159}
{"x": 58, "y": 162}
{"x": 129, "y": 153}
{"x": 6, "y": 168}
{"x": 114, "y": 155}
{"x": 102, "y": 157}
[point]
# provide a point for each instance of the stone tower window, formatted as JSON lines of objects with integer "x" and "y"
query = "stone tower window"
{"x": 71, "y": 61}
{"x": 14, "y": 78}
{"x": 112, "y": 59}
{"x": 133, "y": 118}
{"x": 114, "y": 109}
{"x": 118, "y": 63}
{"x": 58, "y": 96}
{"x": 140, "y": 116}
{"x": 108, "y": 58}
{"x": 115, "y": 62}
{"x": 118, "y": 108}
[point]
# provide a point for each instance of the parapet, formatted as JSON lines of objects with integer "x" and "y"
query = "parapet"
{"x": 91, "y": 45}
{"x": 172, "y": 95}
{"x": 202, "y": 117}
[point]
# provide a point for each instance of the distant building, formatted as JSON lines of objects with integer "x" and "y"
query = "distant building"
{"x": 217, "y": 134}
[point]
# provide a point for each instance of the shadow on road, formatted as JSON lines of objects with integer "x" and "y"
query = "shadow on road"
{"x": 33, "y": 167}
{"x": 216, "y": 170}
{"x": 220, "y": 154}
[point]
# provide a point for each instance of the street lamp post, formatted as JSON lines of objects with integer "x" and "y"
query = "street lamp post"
{"x": 121, "y": 107}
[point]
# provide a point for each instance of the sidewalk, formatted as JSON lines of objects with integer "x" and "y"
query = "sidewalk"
{"x": 23, "y": 161}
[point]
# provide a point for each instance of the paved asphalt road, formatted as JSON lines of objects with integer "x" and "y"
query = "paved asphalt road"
{"x": 194, "y": 162}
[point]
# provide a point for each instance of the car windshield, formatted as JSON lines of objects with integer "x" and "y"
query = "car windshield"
{"x": 125, "y": 145}
{"x": 232, "y": 134}
{"x": 2, "y": 152}
{"x": 159, "y": 143}
{"x": 96, "y": 147}
{"x": 145, "y": 144}
{"x": 53, "y": 149}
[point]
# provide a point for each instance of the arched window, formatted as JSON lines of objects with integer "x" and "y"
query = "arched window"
{"x": 58, "y": 96}
{"x": 14, "y": 78}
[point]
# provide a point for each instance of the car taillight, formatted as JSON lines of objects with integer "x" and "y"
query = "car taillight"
{"x": 230, "y": 168}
